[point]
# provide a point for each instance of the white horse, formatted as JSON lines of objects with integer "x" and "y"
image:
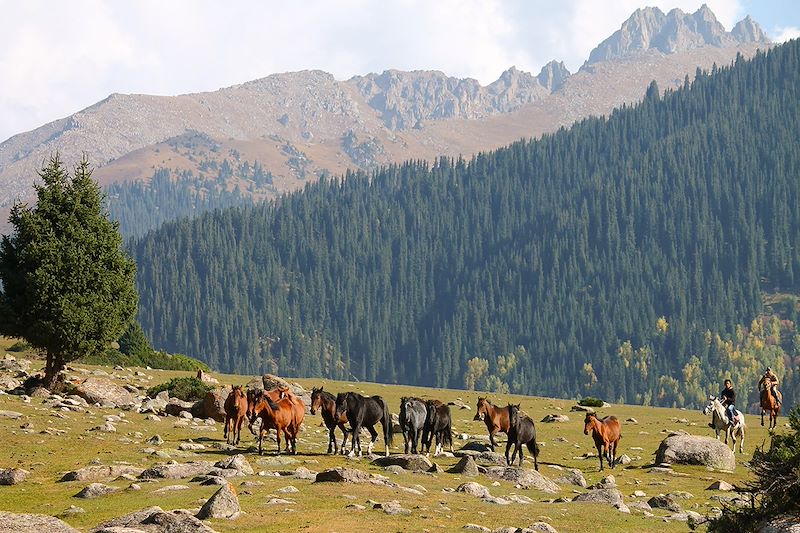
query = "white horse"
{"x": 720, "y": 421}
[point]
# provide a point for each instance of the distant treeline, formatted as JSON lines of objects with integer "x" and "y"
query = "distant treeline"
{"x": 625, "y": 258}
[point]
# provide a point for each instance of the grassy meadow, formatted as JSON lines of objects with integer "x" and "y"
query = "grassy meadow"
{"x": 48, "y": 443}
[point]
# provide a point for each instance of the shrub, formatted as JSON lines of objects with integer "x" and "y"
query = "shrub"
{"x": 591, "y": 402}
{"x": 153, "y": 359}
{"x": 19, "y": 346}
{"x": 186, "y": 389}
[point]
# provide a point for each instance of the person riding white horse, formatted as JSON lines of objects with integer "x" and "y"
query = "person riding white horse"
{"x": 721, "y": 422}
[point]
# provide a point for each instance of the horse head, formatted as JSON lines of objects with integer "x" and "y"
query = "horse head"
{"x": 513, "y": 414}
{"x": 341, "y": 404}
{"x": 483, "y": 407}
{"x": 316, "y": 399}
{"x": 589, "y": 422}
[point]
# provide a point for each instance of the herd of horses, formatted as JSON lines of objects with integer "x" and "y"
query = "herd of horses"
{"x": 423, "y": 421}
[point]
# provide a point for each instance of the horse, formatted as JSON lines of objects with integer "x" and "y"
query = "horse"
{"x": 276, "y": 395}
{"x": 719, "y": 420}
{"x": 325, "y": 402}
{"x": 606, "y": 435}
{"x": 235, "y": 413}
{"x": 412, "y": 421}
{"x": 281, "y": 416}
{"x": 366, "y": 412}
{"x": 770, "y": 405}
{"x": 495, "y": 418}
{"x": 439, "y": 424}
{"x": 522, "y": 431}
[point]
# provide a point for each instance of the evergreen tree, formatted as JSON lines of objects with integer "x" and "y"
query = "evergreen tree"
{"x": 67, "y": 285}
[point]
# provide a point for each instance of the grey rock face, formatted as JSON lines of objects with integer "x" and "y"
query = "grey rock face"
{"x": 104, "y": 391}
{"x": 223, "y": 504}
{"x": 412, "y": 462}
{"x": 695, "y": 450}
{"x": 610, "y": 496}
{"x": 97, "y": 472}
{"x": 466, "y": 466}
{"x": 12, "y": 476}
{"x": 572, "y": 477}
{"x": 33, "y": 523}
{"x": 527, "y": 479}
{"x": 473, "y": 489}
{"x": 237, "y": 462}
{"x": 342, "y": 475}
{"x": 177, "y": 470}
{"x": 95, "y": 490}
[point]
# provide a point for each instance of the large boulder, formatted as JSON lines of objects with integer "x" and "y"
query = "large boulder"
{"x": 12, "y": 476}
{"x": 413, "y": 462}
{"x": 32, "y": 523}
{"x": 95, "y": 490}
{"x": 98, "y": 472}
{"x": 610, "y": 496}
{"x": 101, "y": 390}
{"x": 466, "y": 466}
{"x": 342, "y": 475}
{"x": 696, "y": 450}
{"x": 156, "y": 520}
{"x": 223, "y": 504}
{"x": 237, "y": 462}
{"x": 176, "y": 406}
{"x": 177, "y": 470}
{"x": 213, "y": 404}
{"x": 572, "y": 476}
{"x": 524, "y": 478}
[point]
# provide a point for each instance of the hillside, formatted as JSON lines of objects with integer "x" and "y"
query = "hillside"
{"x": 623, "y": 258}
{"x": 302, "y": 125}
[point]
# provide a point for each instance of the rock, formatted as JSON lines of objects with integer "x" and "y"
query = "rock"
{"x": 342, "y": 475}
{"x": 610, "y": 496}
{"x": 392, "y": 508}
{"x": 541, "y": 527}
{"x": 289, "y": 489}
{"x": 665, "y": 502}
{"x": 572, "y": 477}
{"x": 640, "y": 506}
{"x": 624, "y": 459}
{"x": 412, "y": 462}
{"x": 223, "y": 504}
{"x": 213, "y": 405}
{"x": 696, "y": 450}
{"x": 279, "y": 501}
{"x": 98, "y": 472}
{"x": 171, "y": 488}
{"x": 466, "y": 467}
{"x": 155, "y": 440}
{"x": 581, "y": 409}
{"x": 476, "y": 527}
{"x": 526, "y": 479}
{"x": 13, "y": 415}
{"x": 237, "y": 462}
{"x": 395, "y": 469}
{"x": 720, "y": 485}
{"x": 104, "y": 391}
{"x": 32, "y": 523}
{"x": 191, "y": 446}
{"x": 177, "y": 470}
{"x": 474, "y": 446}
{"x": 153, "y": 405}
{"x": 555, "y": 418}
{"x": 473, "y": 489}
{"x": 175, "y": 407}
{"x": 12, "y": 476}
{"x": 608, "y": 482}
{"x": 95, "y": 490}
{"x": 211, "y": 480}
{"x": 780, "y": 524}
{"x": 304, "y": 473}
{"x": 155, "y": 520}
{"x": 205, "y": 378}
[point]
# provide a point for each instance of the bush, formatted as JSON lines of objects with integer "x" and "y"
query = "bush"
{"x": 591, "y": 402}
{"x": 19, "y": 346}
{"x": 153, "y": 359}
{"x": 186, "y": 389}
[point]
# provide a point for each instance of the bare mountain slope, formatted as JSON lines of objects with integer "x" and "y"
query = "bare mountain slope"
{"x": 303, "y": 124}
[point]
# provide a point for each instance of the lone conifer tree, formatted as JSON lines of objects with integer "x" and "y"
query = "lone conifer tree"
{"x": 67, "y": 285}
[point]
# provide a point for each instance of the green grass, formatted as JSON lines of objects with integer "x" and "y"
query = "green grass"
{"x": 321, "y": 507}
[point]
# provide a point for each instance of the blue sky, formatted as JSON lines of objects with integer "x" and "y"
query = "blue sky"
{"x": 59, "y": 57}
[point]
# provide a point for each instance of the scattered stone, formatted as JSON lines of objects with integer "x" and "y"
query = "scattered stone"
{"x": 289, "y": 489}
{"x": 95, "y": 490}
{"x": 155, "y": 520}
{"x": 541, "y": 527}
{"x": 473, "y": 489}
{"x": 555, "y": 418}
{"x": 581, "y": 409}
{"x": 466, "y": 466}
{"x": 696, "y": 450}
{"x": 523, "y": 478}
{"x": 191, "y": 447}
{"x": 665, "y": 502}
{"x": 395, "y": 469}
{"x": 223, "y": 504}
{"x": 473, "y": 446}
{"x": 211, "y": 480}
{"x": 98, "y": 472}
{"x": 720, "y": 485}
{"x": 639, "y": 494}
{"x": 237, "y": 462}
{"x": 279, "y": 501}
{"x": 391, "y": 508}
{"x": 100, "y": 390}
{"x": 610, "y": 496}
{"x": 572, "y": 477}
{"x": 33, "y": 523}
{"x": 476, "y": 527}
{"x": 342, "y": 475}
{"x": 12, "y": 476}
{"x": 13, "y": 415}
{"x": 177, "y": 470}
{"x": 412, "y": 462}
{"x": 624, "y": 459}
{"x": 155, "y": 440}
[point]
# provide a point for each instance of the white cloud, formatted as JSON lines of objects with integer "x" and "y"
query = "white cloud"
{"x": 58, "y": 57}
{"x": 781, "y": 35}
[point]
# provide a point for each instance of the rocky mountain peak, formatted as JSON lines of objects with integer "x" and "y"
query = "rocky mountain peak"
{"x": 553, "y": 75}
{"x": 650, "y": 29}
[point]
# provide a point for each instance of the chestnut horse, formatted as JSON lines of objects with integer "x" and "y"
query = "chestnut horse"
{"x": 495, "y": 418}
{"x": 284, "y": 415}
{"x": 606, "y": 435}
{"x": 771, "y": 406}
{"x": 235, "y": 413}
{"x": 325, "y": 402}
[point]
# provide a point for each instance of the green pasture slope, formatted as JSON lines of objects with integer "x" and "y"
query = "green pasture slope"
{"x": 58, "y": 442}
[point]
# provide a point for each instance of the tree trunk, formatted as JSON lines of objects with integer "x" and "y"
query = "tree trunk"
{"x": 53, "y": 378}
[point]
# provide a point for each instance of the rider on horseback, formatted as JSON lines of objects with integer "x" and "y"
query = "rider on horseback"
{"x": 769, "y": 382}
{"x": 727, "y": 397}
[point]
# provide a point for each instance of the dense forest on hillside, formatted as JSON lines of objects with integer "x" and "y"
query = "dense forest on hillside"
{"x": 626, "y": 258}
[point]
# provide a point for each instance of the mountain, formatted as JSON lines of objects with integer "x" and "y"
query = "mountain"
{"x": 626, "y": 257}
{"x": 302, "y": 125}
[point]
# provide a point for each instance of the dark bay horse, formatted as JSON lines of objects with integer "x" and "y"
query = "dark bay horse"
{"x": 606, "y": 435}
{"x": 495, "y": 418}
{"x": 522, "y": 431}
{"x": 235, "y": 413}
{"x": 325, "y": 403}
{"x": 439, "y": 424}
{"x": 412, "y": 422}
{"x": 365, "y": 411}
{"x": 281, "y": 416}
{"x": 770, "y": 405}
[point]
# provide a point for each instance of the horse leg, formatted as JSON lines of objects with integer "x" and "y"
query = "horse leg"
{"x": 355, "y": 440}
{"x": 332, "y": 444}
{"x": 492, "y": 443}
{"x": 260, "y": 440}
{"x": 374, "y": 435}
{"x": 239, "y": 430}
{"x": 600, "y": 453}
{"x": 762, "y": 416}
{"x": 508, "y": 449}
{"x": 344, "y": 439}
{"x": 225, "y": 432}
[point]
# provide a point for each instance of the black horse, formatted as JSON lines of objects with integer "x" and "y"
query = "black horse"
{"x": 363, "y": 411}
{"x": 439, "y": 424}
{"x": 522, "y": 431}
{"x": 325, "y": 402}
{"x": 412, "y": 420}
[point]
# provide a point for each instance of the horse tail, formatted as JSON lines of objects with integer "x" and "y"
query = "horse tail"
{"x": 533, "y": 447}
{"x": 388, "y": 430}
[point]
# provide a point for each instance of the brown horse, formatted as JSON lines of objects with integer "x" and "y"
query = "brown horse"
{"x": 495, "y": 418}
{"x": 606, "y": 435}
{"x": 770, "y": 405}
{"x": 235, "y": 413}
{"x": 281, "y": 416}
{"x": 325, "y": 403}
